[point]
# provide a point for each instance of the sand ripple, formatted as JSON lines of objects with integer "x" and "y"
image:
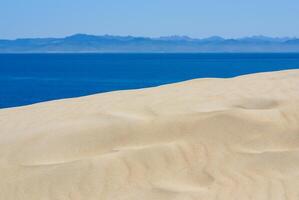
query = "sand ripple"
{"x": 204, "y": 139}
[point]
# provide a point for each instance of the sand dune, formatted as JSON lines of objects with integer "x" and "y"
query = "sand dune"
{"x": 203, "y": 139}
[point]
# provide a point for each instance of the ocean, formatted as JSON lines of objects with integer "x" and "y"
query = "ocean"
{"x": 32, "y": 78}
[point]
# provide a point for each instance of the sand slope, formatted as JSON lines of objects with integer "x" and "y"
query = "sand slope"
{"x": 202, "y": 139}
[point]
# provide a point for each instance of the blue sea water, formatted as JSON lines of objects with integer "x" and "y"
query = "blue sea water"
{"x": 32, "y": 78}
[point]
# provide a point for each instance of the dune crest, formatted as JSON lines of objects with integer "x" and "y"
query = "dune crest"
{"x": 205, "y": 139}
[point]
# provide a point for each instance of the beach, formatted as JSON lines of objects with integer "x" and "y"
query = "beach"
{"x": 233, "y": 138}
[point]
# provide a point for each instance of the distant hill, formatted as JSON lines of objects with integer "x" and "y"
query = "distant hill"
{"x": 171, "y": 44}
{"x": 294, "y": 41}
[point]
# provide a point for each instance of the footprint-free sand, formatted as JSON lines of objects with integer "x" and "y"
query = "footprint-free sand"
{"x": 204, "y": 139}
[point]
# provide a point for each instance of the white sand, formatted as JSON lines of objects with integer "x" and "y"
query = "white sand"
{"x": 226, "y": 139}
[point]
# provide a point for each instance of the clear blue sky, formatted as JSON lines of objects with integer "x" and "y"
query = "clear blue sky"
{"x": 195, "y": 18}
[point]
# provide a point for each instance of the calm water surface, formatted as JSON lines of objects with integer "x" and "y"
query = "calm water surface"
{"x": 32, "y": 78}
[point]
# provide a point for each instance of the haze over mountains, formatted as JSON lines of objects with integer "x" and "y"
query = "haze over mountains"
{"x": 107, "y": 43}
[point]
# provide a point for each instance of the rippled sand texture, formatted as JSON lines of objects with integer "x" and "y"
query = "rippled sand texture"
{"x": 226, "y": 139}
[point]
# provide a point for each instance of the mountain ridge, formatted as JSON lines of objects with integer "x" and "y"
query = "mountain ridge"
{"x": 175, "y": 43}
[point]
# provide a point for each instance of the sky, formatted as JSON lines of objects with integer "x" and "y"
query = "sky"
{"x": 149, "y": 18}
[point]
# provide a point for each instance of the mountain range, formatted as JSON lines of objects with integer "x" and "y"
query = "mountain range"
{"x": 79, "y": 43}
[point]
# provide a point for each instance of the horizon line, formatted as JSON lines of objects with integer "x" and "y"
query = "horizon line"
{"x": 155, "y": 37}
